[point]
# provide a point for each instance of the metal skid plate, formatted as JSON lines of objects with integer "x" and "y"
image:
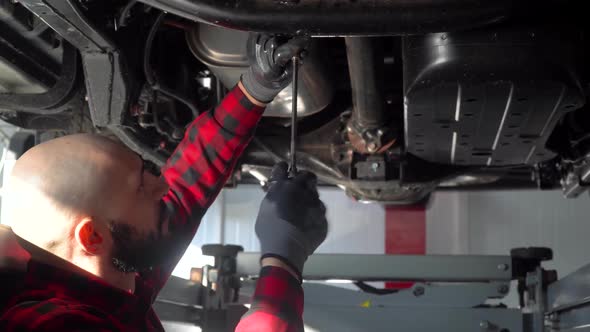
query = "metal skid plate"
{"x": 487, "y": 97}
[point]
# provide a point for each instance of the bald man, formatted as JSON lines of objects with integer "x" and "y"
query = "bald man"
{"x": 102, "y": 233}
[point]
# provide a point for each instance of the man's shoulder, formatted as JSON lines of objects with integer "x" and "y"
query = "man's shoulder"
{"x": 55, "y": 315}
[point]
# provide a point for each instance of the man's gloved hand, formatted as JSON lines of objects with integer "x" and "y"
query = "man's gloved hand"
{"x": 270, "y": 70}
{"x": 291, "y": 223}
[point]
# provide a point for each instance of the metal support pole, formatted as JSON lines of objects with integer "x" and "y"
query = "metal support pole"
{"x": 390, "y": 267}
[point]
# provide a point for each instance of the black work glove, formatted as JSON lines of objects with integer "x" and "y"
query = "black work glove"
{"x": 291, "y": 223}
{"x": 270, "y": 64}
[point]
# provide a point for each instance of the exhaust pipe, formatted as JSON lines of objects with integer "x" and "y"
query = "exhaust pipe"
{"x": 342, "y": 18}
{"x": 367, "y": 129}
{"x": 365, "y": 66}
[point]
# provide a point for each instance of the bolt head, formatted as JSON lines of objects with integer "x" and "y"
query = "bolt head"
{"x": 503, "y": 289}
{"x": 503, "y": 267}
{"x": 372, "y": 147}
{"x": 484, "y": 324}
{"x": 418, "y": 291}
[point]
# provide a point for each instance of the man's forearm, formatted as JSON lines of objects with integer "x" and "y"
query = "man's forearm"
{"x": 277, "y": 305}
{"x": 200, "y": 166}
{"x": 205, "y": 158}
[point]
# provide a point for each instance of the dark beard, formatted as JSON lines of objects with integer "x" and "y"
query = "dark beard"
{"x": 135, "y": 252}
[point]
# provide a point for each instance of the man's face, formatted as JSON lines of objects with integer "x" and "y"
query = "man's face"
{"x": 135, "y": 252}
{"x": 139, "y": 232}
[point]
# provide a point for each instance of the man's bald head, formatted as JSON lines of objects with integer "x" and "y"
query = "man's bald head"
{"x": 88, "y": 200}
{"x": 73, "y": 175}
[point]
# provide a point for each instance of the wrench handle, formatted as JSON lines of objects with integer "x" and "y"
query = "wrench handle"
{"x": 294, "y": 83}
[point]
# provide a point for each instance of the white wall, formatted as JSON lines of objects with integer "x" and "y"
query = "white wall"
{"x": 495, "y": 222}
{"x": 447, "y": 224}
{"x": 457, "y": 223}
{"x": 353, "y": 227}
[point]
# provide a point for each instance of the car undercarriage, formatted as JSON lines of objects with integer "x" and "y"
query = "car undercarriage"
{"x": 396, "y": 99}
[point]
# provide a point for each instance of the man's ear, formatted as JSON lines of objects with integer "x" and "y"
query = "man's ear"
{"x": 88, "y": 237}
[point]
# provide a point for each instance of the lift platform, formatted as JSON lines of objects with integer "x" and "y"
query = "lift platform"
{"x": 512, "y": 293}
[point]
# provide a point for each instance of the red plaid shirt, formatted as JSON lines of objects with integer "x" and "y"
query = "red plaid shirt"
{"x": 52, "y": 299}
{"x": 277, "y": 305}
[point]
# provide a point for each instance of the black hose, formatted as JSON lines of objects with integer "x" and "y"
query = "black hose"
{"x": 373, "y": 290}
{"x": 122, "y": 21}
{"x": 147, "y": 51}
{"x": 149, "y": 75}
{"x": 178, "y": 97}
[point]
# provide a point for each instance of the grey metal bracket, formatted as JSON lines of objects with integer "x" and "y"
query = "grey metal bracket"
{"x": 568, "y": 302}
{"x": 106, "y": 75}
{"x": 404, "y": 267}
{"x": 420, "y": 295}
{"x": 332, "y": 318}
{"x": 450, "y": 293}
{"x": 42, "y": 103}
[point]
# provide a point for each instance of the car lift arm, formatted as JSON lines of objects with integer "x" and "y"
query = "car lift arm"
{"x": 451, "y": 293}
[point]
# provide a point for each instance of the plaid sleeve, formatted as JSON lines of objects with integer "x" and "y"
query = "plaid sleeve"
{"x": 198, "y": 170}
{"x": 277, "y": 304}
{"x": 54, "y": 316}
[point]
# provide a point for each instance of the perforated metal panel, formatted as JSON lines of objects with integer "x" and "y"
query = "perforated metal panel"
{"x": 474, "y": 99}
